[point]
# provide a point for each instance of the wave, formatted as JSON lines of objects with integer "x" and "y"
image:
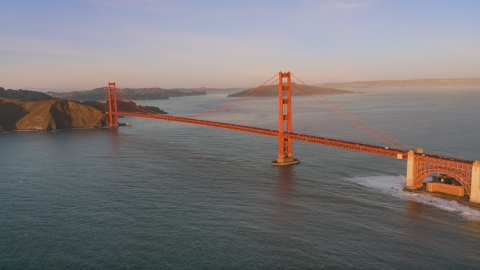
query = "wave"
{"x": 393, "y": 185}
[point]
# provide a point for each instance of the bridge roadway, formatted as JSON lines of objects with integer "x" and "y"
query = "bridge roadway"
{"x": 373, "y": 149}
{"x": 384, "y": 151}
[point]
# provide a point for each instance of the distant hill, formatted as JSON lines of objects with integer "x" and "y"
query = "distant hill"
{"x": 407, "y": 83}
{"x": 296, "y": 91}
{"x": 134, "y": 93}
{"x": 24, "y": 95}
{"x": 124, "y": 107}
{"x": 208, "y": 89}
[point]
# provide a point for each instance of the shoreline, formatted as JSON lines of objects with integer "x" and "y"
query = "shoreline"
{"x": 461, "y": 200}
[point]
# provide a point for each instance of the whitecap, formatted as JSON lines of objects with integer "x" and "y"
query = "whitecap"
{"x": 393, "y": 185}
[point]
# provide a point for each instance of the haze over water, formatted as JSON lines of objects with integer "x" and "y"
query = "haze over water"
{"x": 170, "y": 195}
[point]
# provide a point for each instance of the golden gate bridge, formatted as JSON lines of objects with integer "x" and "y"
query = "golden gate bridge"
{"x": 269, "y": 110}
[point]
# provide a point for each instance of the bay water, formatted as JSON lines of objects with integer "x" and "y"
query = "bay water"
{"x": 166, "y": 195}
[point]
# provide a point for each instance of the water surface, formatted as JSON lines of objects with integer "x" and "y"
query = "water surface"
{"x": 170, "y": 195}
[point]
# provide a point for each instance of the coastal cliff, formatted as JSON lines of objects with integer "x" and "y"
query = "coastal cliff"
{"x": 48, "y": 115}
{"x": 32, "y": 110}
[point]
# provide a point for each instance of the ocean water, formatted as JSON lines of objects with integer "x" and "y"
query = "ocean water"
{"x": 165, "y": 195}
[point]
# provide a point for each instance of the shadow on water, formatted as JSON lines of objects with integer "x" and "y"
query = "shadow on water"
{"x": 285, "y": 185}
{"x": 416, "y": 232}
{"x": 113, "y": 137}
{"x": 415, "y": 209}
{"x": 473, "y": 227}
{"x": 283, "y": 214}
{"x": 428, "y": 229}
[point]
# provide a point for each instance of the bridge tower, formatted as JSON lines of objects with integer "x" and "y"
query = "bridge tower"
{"x": 285, "y": 156}
{"x": 112, "y": 104}
{"x": 411, "y": 171}
{"x": 475, "y": 192}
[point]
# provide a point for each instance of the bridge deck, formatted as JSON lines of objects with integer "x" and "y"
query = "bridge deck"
{"x": 384, "y": 151}
{"x": 426, "y": 164}
{"x": 373, "y": 149}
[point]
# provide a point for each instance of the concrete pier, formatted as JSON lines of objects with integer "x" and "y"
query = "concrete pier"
{"x": 285, "y": 161}
{"x": 475, "y": 184}
{"x": 445, "y": 188}
{"x": 411, "y": 170}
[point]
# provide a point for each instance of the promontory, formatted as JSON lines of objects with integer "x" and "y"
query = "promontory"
{"x": 31, "y": 110}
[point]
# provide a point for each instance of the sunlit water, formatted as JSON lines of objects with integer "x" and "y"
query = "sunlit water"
{"x": 169, "y": 195}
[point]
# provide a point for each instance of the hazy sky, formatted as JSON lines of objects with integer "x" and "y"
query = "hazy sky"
{"x": 82, "y": 44}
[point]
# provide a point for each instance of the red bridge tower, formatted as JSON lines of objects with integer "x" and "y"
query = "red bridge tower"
{"x": 112, "y": 104}
{"x": 285, "y": 156}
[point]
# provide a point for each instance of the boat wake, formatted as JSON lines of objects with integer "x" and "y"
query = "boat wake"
{"x": 393, "y": 185}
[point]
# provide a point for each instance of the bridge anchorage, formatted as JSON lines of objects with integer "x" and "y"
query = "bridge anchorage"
{"x": 420, "y": 165}
{"x": 339, "y": 129}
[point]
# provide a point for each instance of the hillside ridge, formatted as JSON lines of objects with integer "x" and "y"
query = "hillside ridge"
{"x": 407, "y": 83}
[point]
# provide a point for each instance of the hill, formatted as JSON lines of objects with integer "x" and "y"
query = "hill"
{"x": 124, "y": 107}
{"x": 134, "y": 93}
{"x": 407, "y": 83}
{"x": 24, "y": 95}
{"x": 48, "y": 115}
{"x": 296, "y": 91}
{"x": 209, "y": 89}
